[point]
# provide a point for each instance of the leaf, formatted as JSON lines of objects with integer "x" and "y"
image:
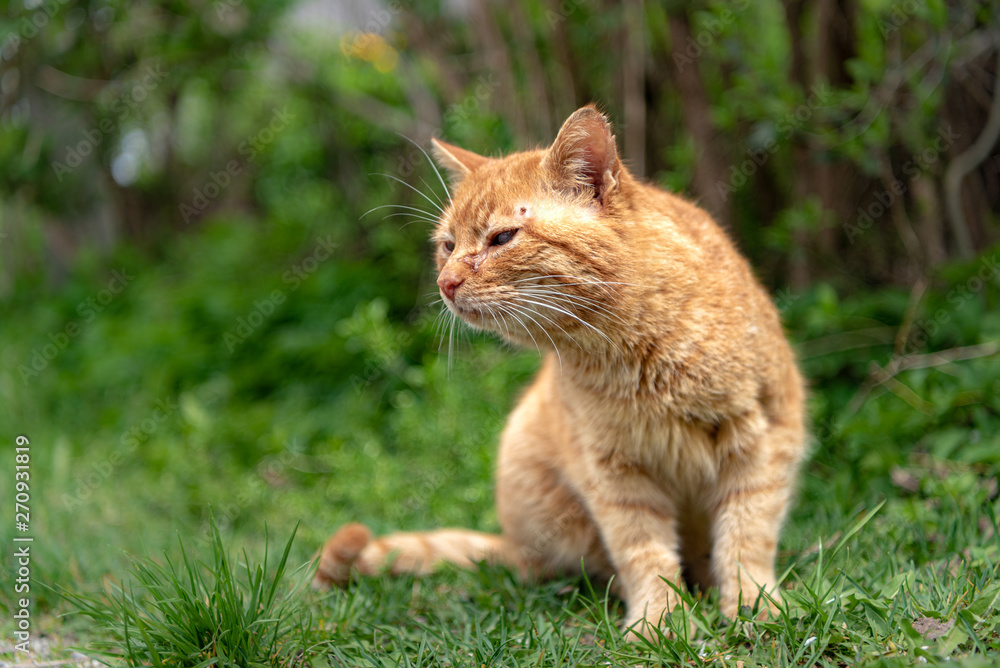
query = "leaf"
{"x": 855, "y": 529}
{"x": 951, "y": 641}
{"x": 986, "y": 600}
{"x": 932, "y": 629}
{"x": 876, "y": 620}
{"x": 942, "y": 443}
{"x": 893, "y": 586}
{"x": 194, "y": 413}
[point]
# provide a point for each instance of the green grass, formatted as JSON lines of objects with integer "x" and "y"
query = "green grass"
{"x": 193, "y": 613}
{"x": 338, "y": 407}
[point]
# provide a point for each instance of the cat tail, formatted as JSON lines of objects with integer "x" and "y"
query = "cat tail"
{"x": 352, "y": 548}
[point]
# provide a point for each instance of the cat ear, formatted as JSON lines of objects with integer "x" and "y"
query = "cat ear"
{"x": 584, "y": 153}
{"x": 457, "y": 161}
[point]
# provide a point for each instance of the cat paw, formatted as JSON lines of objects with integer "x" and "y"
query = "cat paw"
{"x": 339, "y": 555}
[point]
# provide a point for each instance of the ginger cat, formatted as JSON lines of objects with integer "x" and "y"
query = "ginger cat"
{"x": 663, "y": 434}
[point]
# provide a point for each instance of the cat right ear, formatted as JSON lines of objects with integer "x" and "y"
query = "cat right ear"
{"x": 457, "y": 161}
{"x": 584, "y": 154}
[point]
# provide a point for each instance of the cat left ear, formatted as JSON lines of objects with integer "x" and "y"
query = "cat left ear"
{"x": 584, "y": 153}
{"x": 459, "y": 162}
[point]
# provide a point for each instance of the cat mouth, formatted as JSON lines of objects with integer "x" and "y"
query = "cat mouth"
{"x": 465, "y": 312}
{"x": 470, "y": 313}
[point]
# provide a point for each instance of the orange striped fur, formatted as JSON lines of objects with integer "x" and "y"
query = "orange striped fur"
{"x": 664, "y": 432}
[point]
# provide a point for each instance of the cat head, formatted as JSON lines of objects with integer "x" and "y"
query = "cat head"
{"x": 530, "y": 245}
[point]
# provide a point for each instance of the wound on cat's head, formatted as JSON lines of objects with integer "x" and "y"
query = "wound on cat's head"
{"x": 528, "y": 246}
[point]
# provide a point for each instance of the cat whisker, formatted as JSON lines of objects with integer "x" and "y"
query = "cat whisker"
{"x": 568, "y": 305}
{"x": 427, "y": 219}
{"x": 555, "y": 286}
{"x": 571, "y": 315}
{"x": 558, "y": 326}
{"x": 451, "y": 339}
{"x": 503, "y": 322}
{"x": 436, "y": 324}
{"x": 581, "y": 281}
{"x": 396, "y": 178}
{"x": 404, "y": 225}
{"x": 584, "y": 303}
{"x": 497, "y": 321}
{"x": 527, "y": 314}
{"x": 416, "y": 219}
{"x": 433, "y": 166}
{"x": 556, "y": 277}
{"x": 439, "y": 322}
{"x": 416, "y": 209}
{"x": 544, "y": 276}
{"x": 431, "y": 190}
{"x": 513, "y": 311}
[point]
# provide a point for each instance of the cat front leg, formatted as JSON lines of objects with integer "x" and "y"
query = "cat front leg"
{"x": 638, "y": 524}
{"x": 746, "y": 527}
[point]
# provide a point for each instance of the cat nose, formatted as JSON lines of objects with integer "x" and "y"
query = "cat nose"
{"x": 448, "y": 284}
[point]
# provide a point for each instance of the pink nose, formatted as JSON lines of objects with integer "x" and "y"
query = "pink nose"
{"x": 448, "y": 284}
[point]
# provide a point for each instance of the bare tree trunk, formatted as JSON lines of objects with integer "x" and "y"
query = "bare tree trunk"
{"x": 929, "y": 217}
{"x": 634, "y": 83}
{"x": 710, "y": 171}
{"x": 499, "y": 62}
{"x": 798, "y": 270}
{"x": 965, "y": 163}
{"x": 571, "y": 93}
{"x": 539, "y": 103}
{"x": 833, "y": 180}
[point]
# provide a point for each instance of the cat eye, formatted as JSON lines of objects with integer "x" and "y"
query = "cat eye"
{"x": 449, "y": 246}
{"x": 503, "y": 237}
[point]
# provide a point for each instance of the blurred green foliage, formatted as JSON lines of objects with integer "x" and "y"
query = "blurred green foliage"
{"x": 340, "y": 402}
{"x": 135, "y": 121}
{"x": 210, "y": 312}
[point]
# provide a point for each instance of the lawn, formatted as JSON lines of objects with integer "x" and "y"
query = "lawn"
{"x": 248, "y": 376}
